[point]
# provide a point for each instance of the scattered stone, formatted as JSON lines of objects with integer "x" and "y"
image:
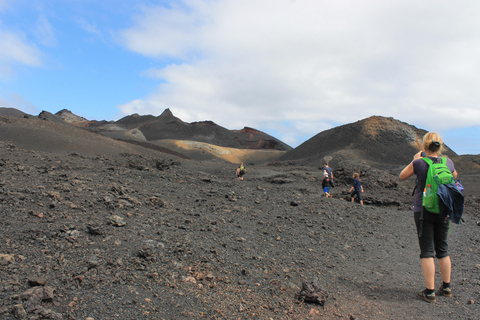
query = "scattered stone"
{"x": 232, "y": 197}
{"x": 164, "y": 165}
{"x": 74, "y": 234}
{"x": 189, "y": 280}
{"x": 4, "y": 310}
{"x": 92, "y": 261}
{"x": 32, "y": 301}
{"x": 54, "y": 195}
{"x": 95, "y": 229}
{"x": 209, "y": 277}
{"x": 36, "y": 281}
{"x": 117, "y": 221}
{"x": 19, "y": 312}
{"x": 146, "y": 252}
{"x": 312, "y": 292}
{"x": 38, "y": 294}
{"x": 6, "y": 258}
{"x": 157, "y": 202}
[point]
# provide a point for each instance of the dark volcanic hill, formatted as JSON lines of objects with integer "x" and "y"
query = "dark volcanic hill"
{"x": 167, "y": 126}
{"x": 12, "y": 112}
{"x": 148, "y": 128}
{"x": 45, "y": 115}
{"x": 56, "y": 137}
{"x": 377, "y": 140}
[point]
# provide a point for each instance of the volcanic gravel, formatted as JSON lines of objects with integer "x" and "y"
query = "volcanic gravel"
{"x": 131, "y": 236}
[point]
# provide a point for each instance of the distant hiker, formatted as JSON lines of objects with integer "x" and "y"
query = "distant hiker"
{"x": 241, "y": 172}
{"x": 326, "y": 185}
{"x": 432, "y": 228}
{"x": 329, "y": 171}
{"x": 356, "y": 188}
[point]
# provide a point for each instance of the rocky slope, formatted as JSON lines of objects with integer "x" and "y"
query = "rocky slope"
{"x": 203, "y": 140}
{"x": 69, "y": 117}
{"x": 94, "y": 228}
{"x": 377, "y": 140}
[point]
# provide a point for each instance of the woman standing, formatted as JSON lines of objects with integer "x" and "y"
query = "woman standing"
{"x": 240, "y": 172}
{"x": 432, "y": 229}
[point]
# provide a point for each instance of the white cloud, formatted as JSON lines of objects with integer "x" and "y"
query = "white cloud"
{"x": 174, "y": 31}
{"x": 94, "y": 32}
{"x": 14, "y": 49}
{"x": 45, "y": 32}
{"x": 313, "y": 63}
{"x": 87, "y": 26}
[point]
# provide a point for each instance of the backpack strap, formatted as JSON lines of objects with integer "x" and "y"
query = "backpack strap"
{"x": 427, "y": 160}
{"x": 430, "y": 161}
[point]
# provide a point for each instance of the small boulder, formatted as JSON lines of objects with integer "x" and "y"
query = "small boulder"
{"x": 313, "y": 292}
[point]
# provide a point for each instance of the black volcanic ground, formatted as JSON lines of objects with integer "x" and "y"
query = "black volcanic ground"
{"x": 99, "y": 228}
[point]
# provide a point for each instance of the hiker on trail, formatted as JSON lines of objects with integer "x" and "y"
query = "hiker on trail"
{"x": 432, "y": 228}
{"x": 329, "y": 171}
{"x": 356, "y": 188}
{"x": 241, "y": 172}
{"x": 326, "y": 185}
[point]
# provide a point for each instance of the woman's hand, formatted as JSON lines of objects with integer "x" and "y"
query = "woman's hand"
{"x": 417, "y": 155}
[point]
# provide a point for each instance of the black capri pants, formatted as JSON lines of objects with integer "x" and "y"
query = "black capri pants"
{"x": 432, "y": 230}
{"x": 358, "y": 193}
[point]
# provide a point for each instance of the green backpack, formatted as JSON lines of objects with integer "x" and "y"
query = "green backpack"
{"x": 438, "y": 173}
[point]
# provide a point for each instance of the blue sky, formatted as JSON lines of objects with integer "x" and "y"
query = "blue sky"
{"x": 291, "y": 68}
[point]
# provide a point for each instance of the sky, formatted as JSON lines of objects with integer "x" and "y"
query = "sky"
{"x": 290, "y": 68}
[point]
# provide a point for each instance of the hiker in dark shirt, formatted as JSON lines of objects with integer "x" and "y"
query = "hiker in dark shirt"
{"x": 356, "y": 188}
{"x": 326, "y": 185}
{"x": 329, "y": 171}
{"x": 432, "y": 229}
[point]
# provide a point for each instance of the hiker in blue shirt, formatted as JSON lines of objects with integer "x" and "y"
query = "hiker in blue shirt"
{"x": 329, "y": 171}
{"x": 432, "y": 229}
{"x": 356, "y": 188}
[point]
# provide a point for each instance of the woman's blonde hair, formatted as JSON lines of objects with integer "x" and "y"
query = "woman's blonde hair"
{"x": 432, "y": 142}
{"x": 356, "y": 175}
